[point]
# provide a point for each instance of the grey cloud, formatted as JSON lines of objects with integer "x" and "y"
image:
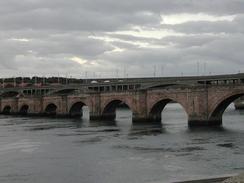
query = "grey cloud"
{"x": 102, "y": 15}
{"x": 199, "y": 27}
{"x": 60, "y": 29}
{"x": 188, "y": 40}
{"x": 68, "y": 44}
{"x": 168, "y": 6}
{"x": 222, "y": 54}
{"x": 76, "y": 18}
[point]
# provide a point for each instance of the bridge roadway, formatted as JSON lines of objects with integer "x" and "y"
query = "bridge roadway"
{"x": 204, "y": 98}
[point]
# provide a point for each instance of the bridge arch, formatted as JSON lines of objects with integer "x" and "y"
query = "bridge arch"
{"x": 76, "y": 109}
{"x": 24, "y": 109}
{"x": 51, "y": 109}
{"x": 155, "y": 111}
{"x": 109, "y": 111}
{"x": 7, "y": 109}
{"x": 221, "y": 105}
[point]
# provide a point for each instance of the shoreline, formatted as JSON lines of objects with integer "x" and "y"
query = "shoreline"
{"x": 210, "y": 179}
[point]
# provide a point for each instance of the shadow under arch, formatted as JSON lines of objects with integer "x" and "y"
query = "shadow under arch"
{"x": 109, "y": 112}
{"x": 6, "y": 110}
{"x": 24, "y": 109}
{"x": 51, "y": 110}
{"x": 155, "y": 114}
{"x": 217, "y": 114}
{"x": 76, "y": 110}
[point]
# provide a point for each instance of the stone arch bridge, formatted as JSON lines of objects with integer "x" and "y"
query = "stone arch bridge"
{"x": 203, "y": 100}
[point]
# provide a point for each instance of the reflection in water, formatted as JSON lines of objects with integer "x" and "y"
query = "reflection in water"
{"x": 146, "y": 130}
{"x": 123, "y": 116}
{"x": 79, "y": 150}
{"x": 241, "y": 112}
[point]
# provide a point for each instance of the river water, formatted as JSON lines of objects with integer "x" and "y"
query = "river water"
{"x": 45, "y": 150}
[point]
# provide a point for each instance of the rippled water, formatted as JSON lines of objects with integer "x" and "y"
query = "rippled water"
{"x": 60, "y": 150}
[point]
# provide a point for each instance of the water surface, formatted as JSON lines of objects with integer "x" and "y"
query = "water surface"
{"x": 65, "y": 150}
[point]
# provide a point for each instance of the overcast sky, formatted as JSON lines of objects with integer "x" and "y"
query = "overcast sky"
{"x": 111, "y": 38}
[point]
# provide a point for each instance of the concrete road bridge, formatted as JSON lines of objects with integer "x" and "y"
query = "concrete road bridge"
{"x": 204, "y": 98}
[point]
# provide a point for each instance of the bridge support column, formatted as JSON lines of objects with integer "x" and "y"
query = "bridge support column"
{"x": 104, "y": 117}
{"x": 143, "y": 119}
{"x": 146, "y": 120}
{"x": 194, "y": 122}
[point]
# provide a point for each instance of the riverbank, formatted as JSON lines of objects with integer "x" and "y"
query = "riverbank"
{"x": 235, "y": 179}
{"x": 225, "y": 179}
{"x": 209, "y": 179}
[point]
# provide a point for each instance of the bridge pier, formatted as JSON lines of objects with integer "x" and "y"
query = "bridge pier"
{"x": 146, "y": 119}
{"x": 136, "y": 119}
{"x": 197, "y": 122}
{"x": 104, "y": 117}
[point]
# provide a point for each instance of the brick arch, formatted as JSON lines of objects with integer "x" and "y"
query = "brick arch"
{"x": 75, "y": 108}
{"x": 219, "y": 106}
{"x": 24, "y": 108}
{"x": 157, "y": 106}
{"x": 31, "y": 104}
{"x": 7, "y": 109}
{"x": 48, "y": 101}
{"x": 108, "y": 109}
{"x": 180, "y": 100}
{"x": 9, "y": 102}
{"x": 77, "y": 101}
{"x": 127, "y": 102}
{"x": 51, "y": 108}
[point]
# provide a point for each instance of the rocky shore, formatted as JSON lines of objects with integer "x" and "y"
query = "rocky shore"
{"x": 227, "y": 179}
{"x": 208, "y": 180}
{"x": 236, "y": 179}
